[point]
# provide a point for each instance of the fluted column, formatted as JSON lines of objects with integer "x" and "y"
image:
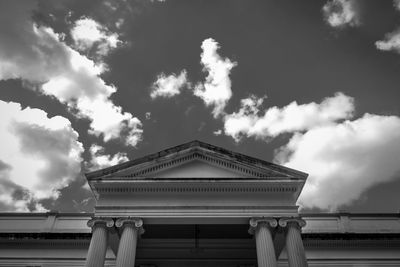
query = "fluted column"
{"x": 261, "y": 228}
{"x": 131, "y": 229}
{"x": 98, "y": 243}
{"x": 294, "y": 243}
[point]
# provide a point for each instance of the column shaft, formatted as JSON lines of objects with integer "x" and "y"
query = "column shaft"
{"x": 127, "y": 246}
{"x": 265, "y": 246}
{"x": 98, "y": 246}
{"x": 294, "y": 247}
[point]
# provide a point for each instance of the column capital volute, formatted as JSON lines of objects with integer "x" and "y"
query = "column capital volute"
{"x": 255, "y": 222}
{"x": 108, "y": 222}
{"x": 135, "y": 222}
{"x": 298, "y": 222}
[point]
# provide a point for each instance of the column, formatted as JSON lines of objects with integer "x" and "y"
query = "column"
{"x": 98, "y": 243}
{"x": 131, "y": 229}
{"x": 294, "y": 243}
{"x": 261, "y": 228}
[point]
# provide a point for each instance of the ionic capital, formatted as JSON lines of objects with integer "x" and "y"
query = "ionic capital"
{"x": 298, "y": 222}
{"x": 255, "y": 222}
{"x": 108, "y": 222}
{"x": 135, "y": 222}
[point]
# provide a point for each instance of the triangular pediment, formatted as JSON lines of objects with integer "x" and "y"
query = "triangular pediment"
{"x": 197, "y": 160}
{"x": 196, "y": 169}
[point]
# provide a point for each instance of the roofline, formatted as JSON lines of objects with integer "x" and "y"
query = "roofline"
{"x": 194, "y": 143}
{"x": 313, "y": 214}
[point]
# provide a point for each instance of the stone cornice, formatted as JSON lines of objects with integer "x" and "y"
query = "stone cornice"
{"x": 195, "y": 188}
{"x": 350, "y": 243}
{"x": 245, "y": 170}
{"x": 246, "y": 165}
{"x": 46, "y": 242}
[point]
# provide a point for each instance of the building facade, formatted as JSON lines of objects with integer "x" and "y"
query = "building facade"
{"x": 198, "y": 205}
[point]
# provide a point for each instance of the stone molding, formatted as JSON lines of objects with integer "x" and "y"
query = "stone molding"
{"x": 136, "y": 222}
{"x": 178, "y": 189}
{"x": 108, "y": 222}
{"x": 195, "y": 149}
{"x": 255, "y": 222}
{"x": 284, "y": 222}
{"x": 206, "y": 158}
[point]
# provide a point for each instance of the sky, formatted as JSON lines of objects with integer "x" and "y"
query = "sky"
{"x": 311, "y": 85}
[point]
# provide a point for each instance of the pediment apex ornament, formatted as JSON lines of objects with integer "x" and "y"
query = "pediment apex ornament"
{"x": 100, "y": 221}
{"x": 136, "y": 222}
{"x": 283, "y": 222}
{"x": 255, "y": 222}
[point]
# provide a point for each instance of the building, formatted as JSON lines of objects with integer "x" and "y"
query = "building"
{"x": 198, "y": 205}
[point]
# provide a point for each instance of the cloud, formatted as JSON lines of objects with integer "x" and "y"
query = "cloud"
{"x": 148, "y": 115}
{"x": 396, "y": 4}
{"x": 391, "y": 42}
{"x": 217, "y": 132}
{"x": 216, "y": 90}
{"x": 100, "y": 160}
{"x": 88, "y": 34}
{"x": 38, "y": 55}
{"x": 40, "y": 156}
{"x": 341, "y": 13}
{"x": 292, "y": 118}
{"x": 344, "y": 159}
{"x": 169, "y": 86}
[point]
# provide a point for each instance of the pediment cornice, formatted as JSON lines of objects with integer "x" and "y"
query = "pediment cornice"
{"x": 143, "y": 186}
{"x": 245, "y": 166}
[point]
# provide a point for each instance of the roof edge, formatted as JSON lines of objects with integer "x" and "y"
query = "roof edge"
{"x": 195, "y": 143}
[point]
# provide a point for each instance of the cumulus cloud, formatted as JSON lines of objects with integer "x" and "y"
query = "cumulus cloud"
{"x": 216, "y": 90}
{"x": 391, "y": 42}
{"x": 344, "y": 159}
{"x": 100, "y": 160}
{"x": 88, "y": 34}
{"x": 40, "y": 156}
{"x": 341, "y": 13}
{"x": 249, "y": 121}
{"x": 38, "y": 55}
{"x": 169, "y": 86}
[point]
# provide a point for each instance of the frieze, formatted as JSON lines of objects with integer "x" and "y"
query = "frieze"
{"x": 196, "y": 189}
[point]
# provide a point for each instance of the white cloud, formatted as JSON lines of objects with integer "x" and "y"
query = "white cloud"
{"x": 217, "y": 132}
{"x": 216, "y": 90}
{"x": 100, "y": 160}
{"x": 391, "y": 42}
{"x": 341, "y": 13}
{"x": 396, "y": 4}
{"x": 39, "y": 156}
{"x": 38, "y": 55}
{"x": 291, "y": 118}
{"x": 168, "y": 86}
{"x": 88, "y": 33}
{"x": 344, "y": 159}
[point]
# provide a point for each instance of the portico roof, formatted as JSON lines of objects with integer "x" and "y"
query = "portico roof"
{"x": 198, "y": 182}
{"x": 150, "y": 164}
